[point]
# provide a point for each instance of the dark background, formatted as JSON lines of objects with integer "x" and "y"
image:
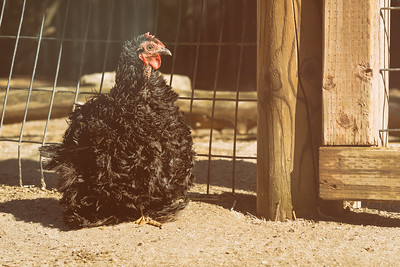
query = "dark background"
{"x": 177, "y": 23}
{"x": 395, "y": 45}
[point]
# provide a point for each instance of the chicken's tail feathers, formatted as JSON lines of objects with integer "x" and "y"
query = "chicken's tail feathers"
{"x": 170, "y": 211}
{"x": 56, "y": 155}
{"x": 51, "y": 155}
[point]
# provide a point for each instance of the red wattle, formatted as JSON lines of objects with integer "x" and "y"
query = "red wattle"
{"x": 154, "y": 61}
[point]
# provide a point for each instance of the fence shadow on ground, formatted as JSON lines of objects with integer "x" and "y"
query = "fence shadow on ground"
{"x": 243, "y": 203}
{"x": 221, "y": 173}
{"x": 43, "y": 210}
{"x": 47, "y": 211}
{"x": 30, "y": 173}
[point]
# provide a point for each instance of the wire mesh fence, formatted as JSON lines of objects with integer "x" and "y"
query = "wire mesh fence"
{"x": 48, "y": 46}
{"x": 390, "y": 60}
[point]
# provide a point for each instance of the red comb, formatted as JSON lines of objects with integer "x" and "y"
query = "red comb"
{"x": 148, "y": 35}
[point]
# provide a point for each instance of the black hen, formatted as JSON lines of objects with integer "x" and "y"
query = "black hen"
{"x": 126, "y": 152}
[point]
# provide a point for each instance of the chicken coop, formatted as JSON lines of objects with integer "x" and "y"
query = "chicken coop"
{"x": 58, "y": 53}
{"x": 287, "y": 100}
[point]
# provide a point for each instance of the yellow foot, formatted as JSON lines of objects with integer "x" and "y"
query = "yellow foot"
{"x": 146, "y": 220}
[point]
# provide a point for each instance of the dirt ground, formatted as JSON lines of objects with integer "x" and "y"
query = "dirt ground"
{"x": 215, "y": 229}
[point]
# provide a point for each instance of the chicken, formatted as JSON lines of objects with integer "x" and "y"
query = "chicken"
{"x": 128, "y": 153}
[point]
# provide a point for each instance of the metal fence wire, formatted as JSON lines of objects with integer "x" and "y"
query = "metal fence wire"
{"x": 53, "y": 43}
{"x": 390, "y": 18}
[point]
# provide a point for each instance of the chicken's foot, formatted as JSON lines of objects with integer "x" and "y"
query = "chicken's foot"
{"x": 147, "y": 220}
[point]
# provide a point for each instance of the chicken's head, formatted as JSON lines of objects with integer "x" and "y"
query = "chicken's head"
{"x": 150, "y": 49}
{"x": 138, "y": 58}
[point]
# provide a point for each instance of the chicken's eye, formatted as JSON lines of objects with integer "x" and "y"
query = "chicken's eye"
{"x": 149, "y": 47}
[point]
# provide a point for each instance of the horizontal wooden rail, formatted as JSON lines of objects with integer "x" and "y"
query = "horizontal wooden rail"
{"x": 359, "y": 173}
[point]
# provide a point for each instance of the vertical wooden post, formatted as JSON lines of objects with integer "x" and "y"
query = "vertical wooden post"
{"x": 354, "y": 100}
{"x": 289, "y": 84}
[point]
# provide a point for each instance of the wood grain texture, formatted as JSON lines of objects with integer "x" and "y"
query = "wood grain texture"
{"x": 360, "y": 173}
{"x": 354, "y": 100}
{"x": 289, "y": 107}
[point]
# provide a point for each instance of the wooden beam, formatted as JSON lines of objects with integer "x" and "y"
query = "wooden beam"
{"x": 359, "y": 173}
{"x": 289, "y": 110}
{"x": 224, "y": 115}
{"x": 354, "y": 97}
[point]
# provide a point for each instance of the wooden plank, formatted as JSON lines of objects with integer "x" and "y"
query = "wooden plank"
{"x": 289, "y": 111}
{"x": 359, "y": 173}
{"x": 224, "y": 115}
{"x": 354, "y": 100}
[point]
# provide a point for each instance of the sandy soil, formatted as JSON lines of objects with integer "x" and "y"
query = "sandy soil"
{"x": 215, "y": 229}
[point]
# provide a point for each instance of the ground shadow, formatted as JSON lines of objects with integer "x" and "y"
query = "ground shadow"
{"x": 243, "y": 203}
{"x": 389, "y": 206}
{"x": 363, "y": 218}
{"x": 221, "y": 173}
{"x": 9, "y": 173}
{"x": 45, "y": 211}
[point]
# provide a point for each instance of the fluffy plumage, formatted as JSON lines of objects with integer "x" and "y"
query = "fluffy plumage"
{"x": 127, "y": 150}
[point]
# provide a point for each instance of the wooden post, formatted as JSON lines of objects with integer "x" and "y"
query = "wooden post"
{"x": 289, "y": 78}
{"x": 355, "y": 103}
{"x": 354, "y": 97}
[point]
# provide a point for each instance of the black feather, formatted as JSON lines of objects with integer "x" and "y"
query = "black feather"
{"x": 124, "y": 151}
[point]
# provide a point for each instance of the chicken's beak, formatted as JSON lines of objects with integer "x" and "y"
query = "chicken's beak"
{"x": 165, "y": 51}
